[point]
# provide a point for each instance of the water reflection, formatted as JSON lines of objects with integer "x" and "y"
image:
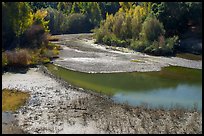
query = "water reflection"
{"x": 184, "y": 95}
{"x": 172, "y": 85}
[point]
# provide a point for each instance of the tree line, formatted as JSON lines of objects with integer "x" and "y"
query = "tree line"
{"x": 150, "y": 27}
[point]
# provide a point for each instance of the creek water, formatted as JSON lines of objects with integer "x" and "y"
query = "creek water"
{"x": 172, "y": 86}
{"x": 9, "y": 124}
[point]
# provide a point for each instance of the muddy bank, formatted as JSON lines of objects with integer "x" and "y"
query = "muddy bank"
{"x": 81, "y": 54}
{"x": 56, "y": 107}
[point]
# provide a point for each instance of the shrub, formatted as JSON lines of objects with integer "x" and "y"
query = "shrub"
{"x": 136, "y": 28}
{"x": 4, "y": 59}
{"x": 117, "y": 24}
{"x": 139, "y": 45}
{"x": 53, "y": 46}
{"x": 45, "y": 60}
{"x": 18, "y": 57}
{"x": 77, "y": 23}
{"x": 99, "y": 34}
{"x": 107, "y": 40}
{"x": 36, "y": 37}
{"x": 118, "y": 42}
{"x": 162, "y": 46}
{"x": 39, "y": 19}
{"x": 35, "y": 59}
{"x": 49, "y": 53}
{"x": 57, "y": 21}
{"x": 53, "y": 38}
{"x": 152, "y": 29}
{"x": 152, "y": 48}
{"x": 172, "y": 41}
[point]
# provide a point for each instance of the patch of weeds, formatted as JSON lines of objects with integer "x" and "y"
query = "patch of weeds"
{"x": 137, "y": 61}
{"x": 13, "y": 99}
{"x": 53, "y": 38}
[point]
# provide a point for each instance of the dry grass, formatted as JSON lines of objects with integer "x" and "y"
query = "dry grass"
{"x": 19, "y": 57}
{"x": 137, "y": 61}
{"x": 53, "y": 38}
{"x": 13, "y": 99}
{"x": 26, "y": 57}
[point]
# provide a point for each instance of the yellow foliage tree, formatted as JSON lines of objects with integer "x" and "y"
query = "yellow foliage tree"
{"x": 39, "y": 19}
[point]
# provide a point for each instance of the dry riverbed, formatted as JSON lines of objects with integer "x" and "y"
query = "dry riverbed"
{"x": 56, "y": 107}
{"x": 81, "y": 54}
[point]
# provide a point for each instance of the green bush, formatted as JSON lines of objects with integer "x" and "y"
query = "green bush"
{"x": 152, "y": 29}
{"x": 139, "y": 45}
{"x": 120, "y": 43}
{"x": 45, "y": 60}
{"x": 165, "y": 48}
{"x": 49, "y": 53}
{"x": 151, "y": 48}
{"x": 4, "y": 59}
{"x": 136, "y": 28}
{"x": 58, "y": 22}
{"x": 107, "y": 40}
{"x": 78, "y": 23}
{"x": 99, "y": 34}
{"x": 53, "y": 46}
{"x": 172, "y": 41}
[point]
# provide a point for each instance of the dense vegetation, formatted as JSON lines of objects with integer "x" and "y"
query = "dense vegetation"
{"x": 25, "y": 36}
{"x": 75, "y": 17}
{"x": 150, "y": 27}
{"x": 26, "y": 27}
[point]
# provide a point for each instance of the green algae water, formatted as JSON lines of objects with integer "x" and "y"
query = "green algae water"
{"x": 171, "y": 86}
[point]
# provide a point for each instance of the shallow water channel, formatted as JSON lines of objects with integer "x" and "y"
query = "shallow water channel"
{"x": 172, "y": 86}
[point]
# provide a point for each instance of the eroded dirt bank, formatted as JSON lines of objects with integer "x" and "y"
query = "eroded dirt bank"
{"x": 56, "y": 107}
{"x": 81, "y": 54}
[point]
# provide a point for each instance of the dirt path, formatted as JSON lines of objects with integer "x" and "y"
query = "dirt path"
{"x": 81, "y": 54}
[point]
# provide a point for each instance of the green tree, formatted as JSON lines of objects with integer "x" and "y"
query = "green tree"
{"x": 108, "y": 7}
{"x": 152, "y": 29}
{"x": 177, "y": 15}
{"x": 75, "y": 8}
{"x": 40, "y": 5}
{"x": 39, "y": 19}
{"x": 57, "y": 21}
{"x": 95, "y": 13}
{"x": 65, "y": 7}
{"x": 90, "y": 9}
{"x": 16, "y": 18}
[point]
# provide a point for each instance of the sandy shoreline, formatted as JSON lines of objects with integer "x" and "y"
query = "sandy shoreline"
{"x": 56, "y": 107}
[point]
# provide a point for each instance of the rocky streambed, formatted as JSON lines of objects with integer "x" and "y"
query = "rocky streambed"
{"x": 56, "y": 107}
{"x": 80, "y": 53}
